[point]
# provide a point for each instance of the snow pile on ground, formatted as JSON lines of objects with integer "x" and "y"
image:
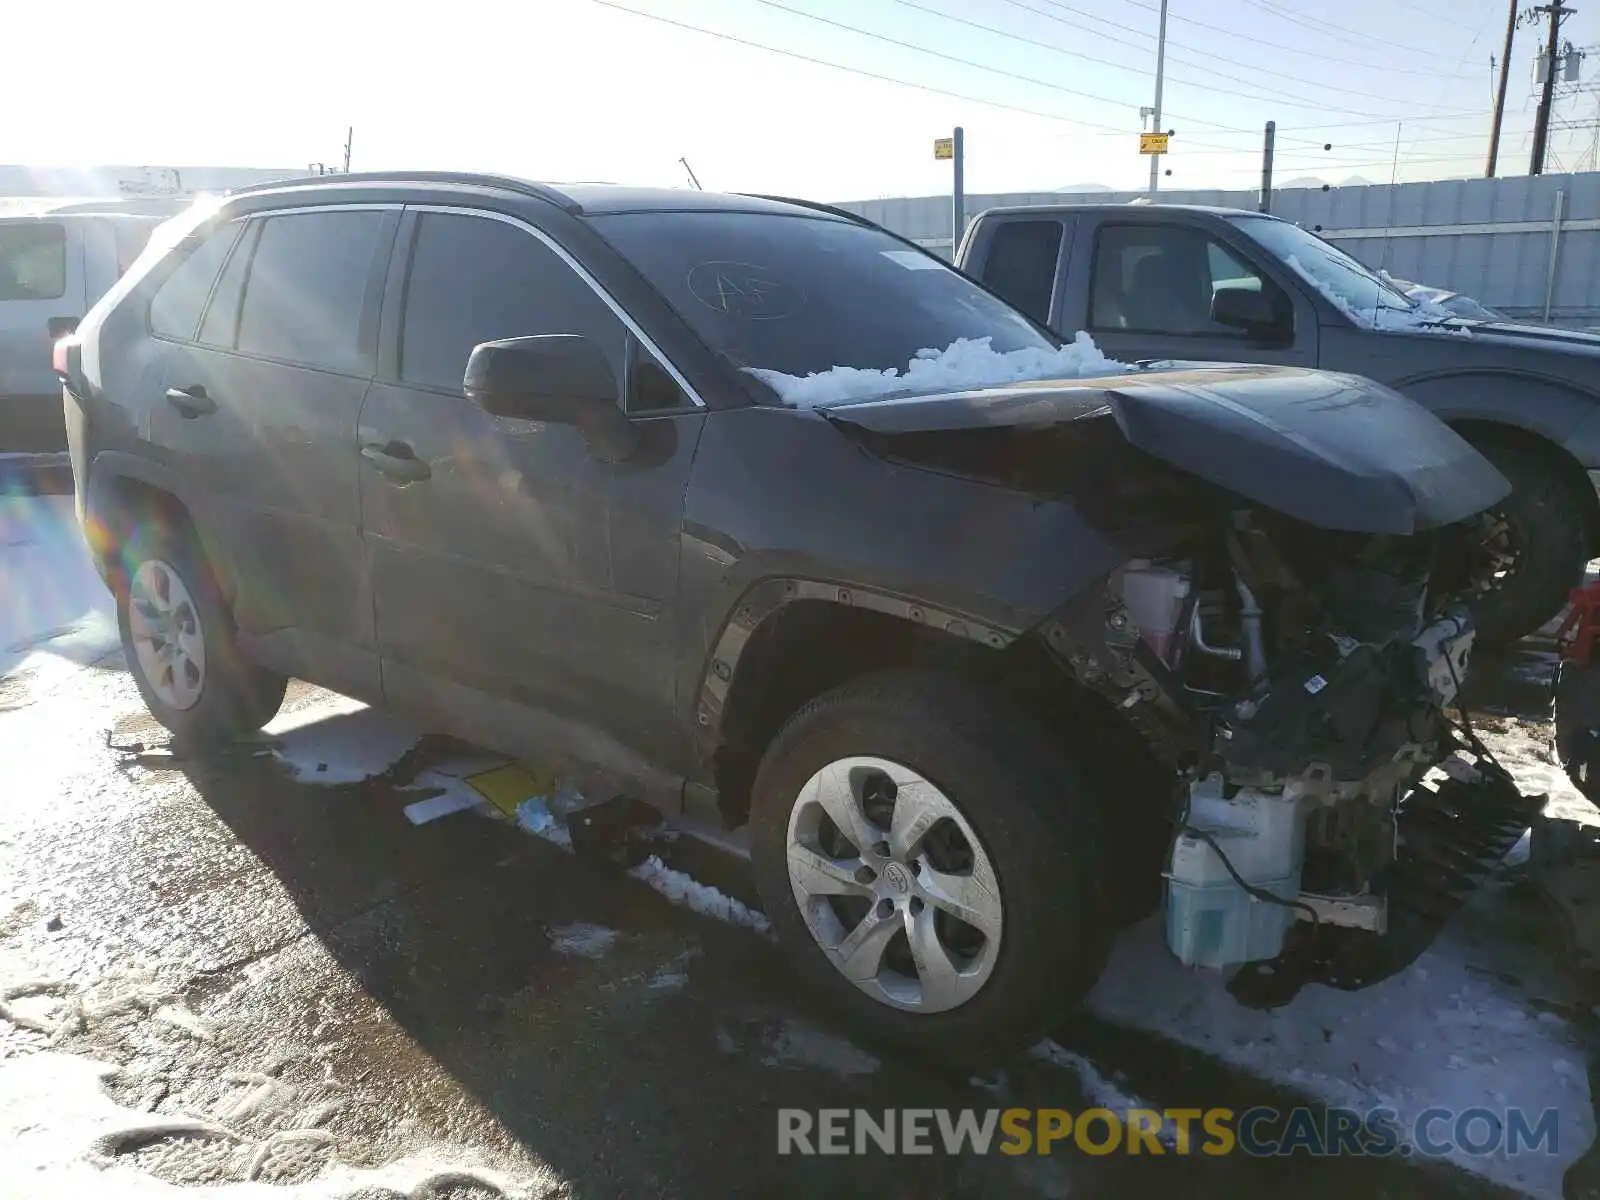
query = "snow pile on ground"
{"x": 51, "y": 600}
{"x": 582, "y": 939}
{"x": 65, "y": 1138}
{"x": 798, "y": 1043}
{"x": 1424, "y": 318}
{"x": 339, "y": 741}
{"x": 691, "y": 893}
{"x": 535, "y": 816}
{"x": 546, "y": 817}
{"x": 964, "y": 364}
{"x": 1445, "y": 1033}
{"x": 1098, "y": 1090}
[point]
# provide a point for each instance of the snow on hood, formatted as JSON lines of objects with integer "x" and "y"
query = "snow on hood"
{"x": 964, "y": 364}
{"x": 1424, "y": 318}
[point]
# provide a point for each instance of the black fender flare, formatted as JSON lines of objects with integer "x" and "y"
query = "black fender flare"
{"x": 107, "y": 470}
{"x": 762, "y": 600}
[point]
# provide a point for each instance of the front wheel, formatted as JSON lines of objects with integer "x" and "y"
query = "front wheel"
{"x": 932, "y": 864}
{"x": 1533, "y": 548}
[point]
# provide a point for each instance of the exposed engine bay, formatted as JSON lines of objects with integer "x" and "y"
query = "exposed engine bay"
{"x": 1279, "y": 614}
{"x": 1297, "y": 678}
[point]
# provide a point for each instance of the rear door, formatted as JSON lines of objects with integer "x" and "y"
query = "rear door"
{"x": 41, "y": 280}
{"x": 261, "y": 399}
{"x": 1149, "y": 294}
{"x": 510, "y": 566}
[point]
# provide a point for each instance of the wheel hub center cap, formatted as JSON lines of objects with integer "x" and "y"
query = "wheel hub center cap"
{"x": 897, "y": 878}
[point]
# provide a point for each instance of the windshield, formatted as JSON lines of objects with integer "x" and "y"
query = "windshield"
{"x": 802, "y": 295}
{"x": 1355, "y": 290}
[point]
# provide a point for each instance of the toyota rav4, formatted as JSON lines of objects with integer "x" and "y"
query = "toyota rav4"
{"x": 989, "y": 641}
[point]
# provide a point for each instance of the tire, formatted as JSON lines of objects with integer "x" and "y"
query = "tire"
{"x": 1030, "y": 819}
{"x": 1546, "y": 521}
{"x": 205, "y": 692}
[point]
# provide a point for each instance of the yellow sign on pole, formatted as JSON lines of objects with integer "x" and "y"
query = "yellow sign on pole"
{"x": 1153, "y": 143}
{"x": 944, "y": 148}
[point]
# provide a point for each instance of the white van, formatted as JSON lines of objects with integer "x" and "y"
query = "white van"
{"x": 56, "y": 259}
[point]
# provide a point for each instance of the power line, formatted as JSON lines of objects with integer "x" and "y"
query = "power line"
{"x": 940, "y": 54}
{"x": 1343, "y": 148}
{"x": 823, "y": 62}
{"x": 997, "y": 104}
{"x": 1343, "y": 33}
{"x": 1316, "y": 54}
{"x": 1263, "y": 94}
{"x": 1184, "y": 60}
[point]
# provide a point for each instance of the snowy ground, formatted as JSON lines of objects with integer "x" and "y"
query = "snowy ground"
{"x": 49, "y": 592}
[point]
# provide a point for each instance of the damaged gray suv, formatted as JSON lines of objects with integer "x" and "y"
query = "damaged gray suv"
{"x": 785, "y": 524}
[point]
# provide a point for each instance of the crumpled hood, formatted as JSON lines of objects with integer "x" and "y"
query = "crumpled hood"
{"x": 1335, "y": 451}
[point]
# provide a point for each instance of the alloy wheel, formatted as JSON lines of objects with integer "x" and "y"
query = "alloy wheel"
{"x": 167, "y": 636}
{"x": 894, "y": 885}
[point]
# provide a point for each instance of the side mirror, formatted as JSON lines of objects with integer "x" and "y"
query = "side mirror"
{"x": 1246, "y": 309}
{"x": 562, "y": 378}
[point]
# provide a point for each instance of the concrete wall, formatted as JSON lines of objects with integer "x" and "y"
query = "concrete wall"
{"x": 1498, "y": 240}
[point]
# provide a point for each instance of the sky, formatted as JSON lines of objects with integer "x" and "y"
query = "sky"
{"x": 1048, "y": 95}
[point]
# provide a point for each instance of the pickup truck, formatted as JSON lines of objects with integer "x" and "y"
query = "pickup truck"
{"x": 1223, "y": 285}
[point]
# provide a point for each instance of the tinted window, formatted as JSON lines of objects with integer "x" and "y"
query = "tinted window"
{"x": 221, "y": 324}
{"x": 175, "y": 308}
{"x": 33, "y": 260}
{"x": 651, "y": 386}
{"x": 1021, "y": 264}
{"x": 307, "y": 280}
{"x": 801, "y": 294}
{"x": 1161, "y": 278}
{"x": 473, "y": 280}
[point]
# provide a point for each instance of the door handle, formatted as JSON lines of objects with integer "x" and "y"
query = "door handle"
{"x": 397, "y": 461}
{"x": 191, "y": 401}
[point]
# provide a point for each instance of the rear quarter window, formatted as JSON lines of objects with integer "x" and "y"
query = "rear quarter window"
{"x": 33, "y": 260}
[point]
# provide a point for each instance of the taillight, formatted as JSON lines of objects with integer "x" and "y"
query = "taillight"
{"x": 60, "y": 355}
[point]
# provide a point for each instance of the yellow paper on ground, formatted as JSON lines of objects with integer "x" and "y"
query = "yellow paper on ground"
{"x": 508, "y": 786}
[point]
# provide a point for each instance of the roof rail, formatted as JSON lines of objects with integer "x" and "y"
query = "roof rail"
{"x": 816, "y": 206}
{"x": 525, "y": 187}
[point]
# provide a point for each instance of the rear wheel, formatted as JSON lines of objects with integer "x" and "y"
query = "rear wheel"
{"x": 932, "y": 864}
{"x": 178, "y": 637}
{"x": 1533, "y": 547}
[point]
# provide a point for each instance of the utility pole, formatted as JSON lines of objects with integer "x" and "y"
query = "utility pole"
{"x": 958, "y": 190}
{"x": 1500, "y": 93}
{"x": 349, "y": 141}
{"x": 1267, "y": 147}
{"x": 1541, "y": 129}
{"x": 1161, "y": 70}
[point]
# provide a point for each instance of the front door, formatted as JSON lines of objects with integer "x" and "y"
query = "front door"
{"x": 512, "y": 569}
{"x": 1150, "y": 297}
{"x": 259, "y": 404}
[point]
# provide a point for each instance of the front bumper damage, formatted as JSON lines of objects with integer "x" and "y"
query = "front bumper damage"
{"x": 1452, "y": 832}
{"x": 1290, "y": 747}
